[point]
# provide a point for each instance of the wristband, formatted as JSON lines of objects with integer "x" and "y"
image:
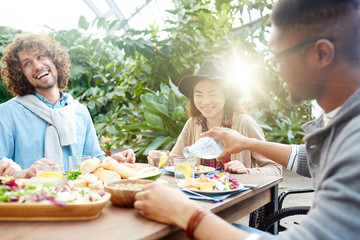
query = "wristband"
{"x": 194, "y": 221}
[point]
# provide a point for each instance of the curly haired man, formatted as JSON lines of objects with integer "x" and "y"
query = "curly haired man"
{"x": 41, "y": 124}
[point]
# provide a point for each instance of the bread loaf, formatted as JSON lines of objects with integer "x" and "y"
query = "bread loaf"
{"x": 89, "y": 165}
{"x": 106, "y": 175}
{"x": 96, "y": 185}
{"x": 88, "y": 178}
{"x": 80, "y": 183}
{"x": 111, "y": 164}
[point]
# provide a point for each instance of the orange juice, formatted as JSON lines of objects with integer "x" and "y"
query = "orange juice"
{"x": 50, "y": 175}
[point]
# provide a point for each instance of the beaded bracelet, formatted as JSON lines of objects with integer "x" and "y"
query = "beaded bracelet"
{"x": 194, "y": 221}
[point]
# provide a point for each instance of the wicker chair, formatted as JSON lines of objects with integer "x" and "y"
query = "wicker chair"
{"x": 266, "y": 222}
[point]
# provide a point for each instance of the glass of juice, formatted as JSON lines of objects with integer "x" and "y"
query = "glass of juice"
{"x": 158, "y": 158}
{"x": 50, "y": 175}
{"x": 184, "y": 168}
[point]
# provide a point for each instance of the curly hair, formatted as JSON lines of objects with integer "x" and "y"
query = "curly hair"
{"x": 13, "y": 78}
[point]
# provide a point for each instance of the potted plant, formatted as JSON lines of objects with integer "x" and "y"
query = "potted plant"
{"x": 106, "y": 143}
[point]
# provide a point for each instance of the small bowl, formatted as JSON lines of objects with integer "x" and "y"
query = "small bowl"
{"x": 123, "y": 197}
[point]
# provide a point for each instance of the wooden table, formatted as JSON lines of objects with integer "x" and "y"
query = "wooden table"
{"x": 125, "y": 223}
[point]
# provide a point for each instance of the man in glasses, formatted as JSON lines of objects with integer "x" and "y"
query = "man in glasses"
{"x": 316, "y": 52}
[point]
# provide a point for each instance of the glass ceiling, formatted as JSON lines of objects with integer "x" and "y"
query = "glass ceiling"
{"x": 35, "y": 15}
{"x": 135, "y": 13}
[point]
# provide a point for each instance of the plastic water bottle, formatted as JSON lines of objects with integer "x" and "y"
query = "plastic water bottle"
{"x": 205, "y": 147}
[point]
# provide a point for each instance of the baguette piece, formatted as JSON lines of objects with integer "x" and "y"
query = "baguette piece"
{"x": 106, "y": 175}
{"x": 88, "y": 178}
{"x": 111, "y": 164}
{"x": 89, "y": 165}
{"x": 96, "y": 185}
{"x": 80, "y": 183}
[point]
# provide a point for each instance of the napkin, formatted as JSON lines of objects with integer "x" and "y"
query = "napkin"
{"x": 164, "y": 171}
{"x": 215, "y": 198}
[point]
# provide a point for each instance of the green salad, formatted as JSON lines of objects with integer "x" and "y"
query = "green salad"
{"x": 12, "y": 190}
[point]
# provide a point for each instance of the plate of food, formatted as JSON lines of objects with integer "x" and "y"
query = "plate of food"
{"x": 199, "y": 169}
{"x": 148, "y": 173}
{"x": 24, "y": 201}
{"x": 218, "y": 184}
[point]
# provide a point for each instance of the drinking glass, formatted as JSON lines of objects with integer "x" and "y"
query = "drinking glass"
{"x": 158, "y": 158}
{"x": 50, "y": 175}
{"x": 75, "y": 160}
{"x": 183, "y": 168}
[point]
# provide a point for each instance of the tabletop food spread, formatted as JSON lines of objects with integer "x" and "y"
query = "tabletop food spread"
{"x": 82, "y": 194}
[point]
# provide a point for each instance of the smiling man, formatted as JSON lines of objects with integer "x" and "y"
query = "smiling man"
{"x": 41, "y": 124}
{"x": 42, "y": 75}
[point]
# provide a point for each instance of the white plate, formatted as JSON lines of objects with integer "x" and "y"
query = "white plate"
{"x": 215, "y": 192}
{"x": 204, "y": 170}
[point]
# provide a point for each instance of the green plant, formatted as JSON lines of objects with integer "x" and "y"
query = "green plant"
{"x": 284, "y": 124}
{"x": 164, "y": 115}
{"x": 121, "y": 75}
{"x": 287, "y": 129}
{"x": 7, "y": 34}
{"x": 111, "y": 74}
{"x": 113, "y": 124}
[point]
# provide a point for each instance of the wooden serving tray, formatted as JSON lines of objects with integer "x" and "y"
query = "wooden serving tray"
{"x": 50, "y": 212}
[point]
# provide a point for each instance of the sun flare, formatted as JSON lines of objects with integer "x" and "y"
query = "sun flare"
{"x": 242, "y": 76}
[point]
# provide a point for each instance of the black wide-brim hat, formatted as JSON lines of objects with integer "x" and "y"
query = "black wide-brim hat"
{"x": 210, "y": 70}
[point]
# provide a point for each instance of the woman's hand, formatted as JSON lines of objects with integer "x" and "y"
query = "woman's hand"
{"x": 126, "y": 156}
{"x": 233, "y": 141}
{"x": 163, "y": 204}
{"x": 235, "y": 166}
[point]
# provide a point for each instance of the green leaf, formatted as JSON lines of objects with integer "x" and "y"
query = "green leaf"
{"x": 178, "y": 113}
{"x": 109, "y": 66}
{"x": 111, "y": 129}
{"x": 152, "y": 106}
{"x": 155, "y": 144}
{"x": 83, "y": 23}
{"x": 154, "y": 120}
{"x": 141, "y": 125}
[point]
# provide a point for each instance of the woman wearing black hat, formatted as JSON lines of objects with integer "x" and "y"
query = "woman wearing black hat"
{"x": 213, "y": 103}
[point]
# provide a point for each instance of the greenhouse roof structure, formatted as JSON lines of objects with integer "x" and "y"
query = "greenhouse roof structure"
{"x": 131, "y": 14}
{"x": 65, "y": 14}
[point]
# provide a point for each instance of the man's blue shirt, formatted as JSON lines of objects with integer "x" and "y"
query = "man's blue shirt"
{"x": 22, "y": 133}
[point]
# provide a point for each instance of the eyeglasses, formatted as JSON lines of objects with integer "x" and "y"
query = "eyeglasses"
{"x": 273, "y": 59}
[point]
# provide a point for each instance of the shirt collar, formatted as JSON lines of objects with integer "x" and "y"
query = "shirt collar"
{"x": 60, "y": 103}
{"x": 327, "y": 117}
{"x": 227, "y": 121}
